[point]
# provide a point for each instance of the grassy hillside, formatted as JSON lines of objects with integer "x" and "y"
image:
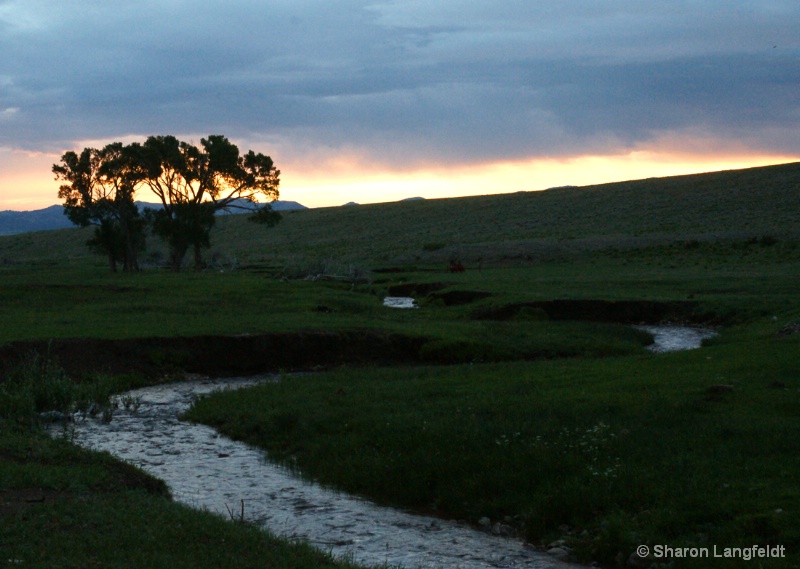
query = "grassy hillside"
{"x": 535, "y": 225}
{"x": 735, "y": 204}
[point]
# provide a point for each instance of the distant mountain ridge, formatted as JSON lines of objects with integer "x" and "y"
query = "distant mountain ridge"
{"x": 52, "y": 217}
{"x": 13, "y": 222}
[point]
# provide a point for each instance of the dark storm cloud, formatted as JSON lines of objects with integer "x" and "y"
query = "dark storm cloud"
{"x": 408, "y": 82}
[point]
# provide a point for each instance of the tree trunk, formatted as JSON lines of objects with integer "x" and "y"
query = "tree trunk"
{"x": 177, "y": 254}
{"x": 198, "y": 257}
{"x": 131, "y": 261}
{"x": 112, "y": 262}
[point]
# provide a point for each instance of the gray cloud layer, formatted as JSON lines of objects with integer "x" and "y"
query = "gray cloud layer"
{"x": 407, "y": 81}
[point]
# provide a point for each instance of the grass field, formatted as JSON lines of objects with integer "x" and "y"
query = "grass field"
{"x": 503, "y": 405}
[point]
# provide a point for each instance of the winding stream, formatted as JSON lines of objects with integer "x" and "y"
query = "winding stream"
{"x": 206, "y": 470}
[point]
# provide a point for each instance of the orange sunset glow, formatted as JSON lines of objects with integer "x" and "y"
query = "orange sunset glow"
{"x": 343, "y": 183}
{"x": 319, "y": 189}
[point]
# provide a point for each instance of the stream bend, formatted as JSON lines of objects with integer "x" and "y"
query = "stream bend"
{"x": 208, "y": 471}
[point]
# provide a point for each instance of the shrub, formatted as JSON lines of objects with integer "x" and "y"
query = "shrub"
{"x": 38, "y": 389}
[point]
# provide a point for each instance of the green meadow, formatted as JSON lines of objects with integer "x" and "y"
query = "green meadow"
{"x": 517, "y": 392}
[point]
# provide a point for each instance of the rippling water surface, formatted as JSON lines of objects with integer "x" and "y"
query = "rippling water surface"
{"x": 207, "y": 470}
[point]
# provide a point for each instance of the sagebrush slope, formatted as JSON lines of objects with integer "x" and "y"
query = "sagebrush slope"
{"x": 752, "y": 202}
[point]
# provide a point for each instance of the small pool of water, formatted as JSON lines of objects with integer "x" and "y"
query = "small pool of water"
{"x": 669, "y": 338}
{"x": 400, "y": 302}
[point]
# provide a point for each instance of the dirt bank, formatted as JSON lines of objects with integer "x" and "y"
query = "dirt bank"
{"x": 221, "y": 355}
{"x": 231, "y": 355}
{"x": 622, "y": 311}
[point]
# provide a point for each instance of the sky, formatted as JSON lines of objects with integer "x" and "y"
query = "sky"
{"x": 374, "y": 101}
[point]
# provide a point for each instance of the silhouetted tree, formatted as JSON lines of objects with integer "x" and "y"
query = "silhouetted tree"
{"x": 99, "y": 190}
{"x": 194, "y": 183}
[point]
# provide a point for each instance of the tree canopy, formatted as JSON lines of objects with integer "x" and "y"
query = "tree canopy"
{"x": 98, "y": 190}
{"x": 192, "y": 183}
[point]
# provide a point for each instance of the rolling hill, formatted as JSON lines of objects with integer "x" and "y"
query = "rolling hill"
{"x": 751, "y": 203}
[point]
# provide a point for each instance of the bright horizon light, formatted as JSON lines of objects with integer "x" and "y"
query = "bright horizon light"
{"x": 341, "y": 185}
{"x": 504, "y": 177}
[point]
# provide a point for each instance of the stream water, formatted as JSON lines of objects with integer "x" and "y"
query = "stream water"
{"x": 676, "y": 338}
{"x": 206, "y": 470}
{"x": 400, "y": 302}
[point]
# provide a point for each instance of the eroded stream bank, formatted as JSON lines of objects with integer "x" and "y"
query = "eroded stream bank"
{"x": 223, "y": 355}
{"x": 249, "y": 354}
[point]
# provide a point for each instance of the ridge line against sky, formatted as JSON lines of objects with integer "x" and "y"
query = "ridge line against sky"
{"x": 373, "y": 101}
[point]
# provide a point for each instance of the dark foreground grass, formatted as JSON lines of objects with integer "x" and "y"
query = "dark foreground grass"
{"x": 622, "y": 451}
{"x": 61, "y": 506}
